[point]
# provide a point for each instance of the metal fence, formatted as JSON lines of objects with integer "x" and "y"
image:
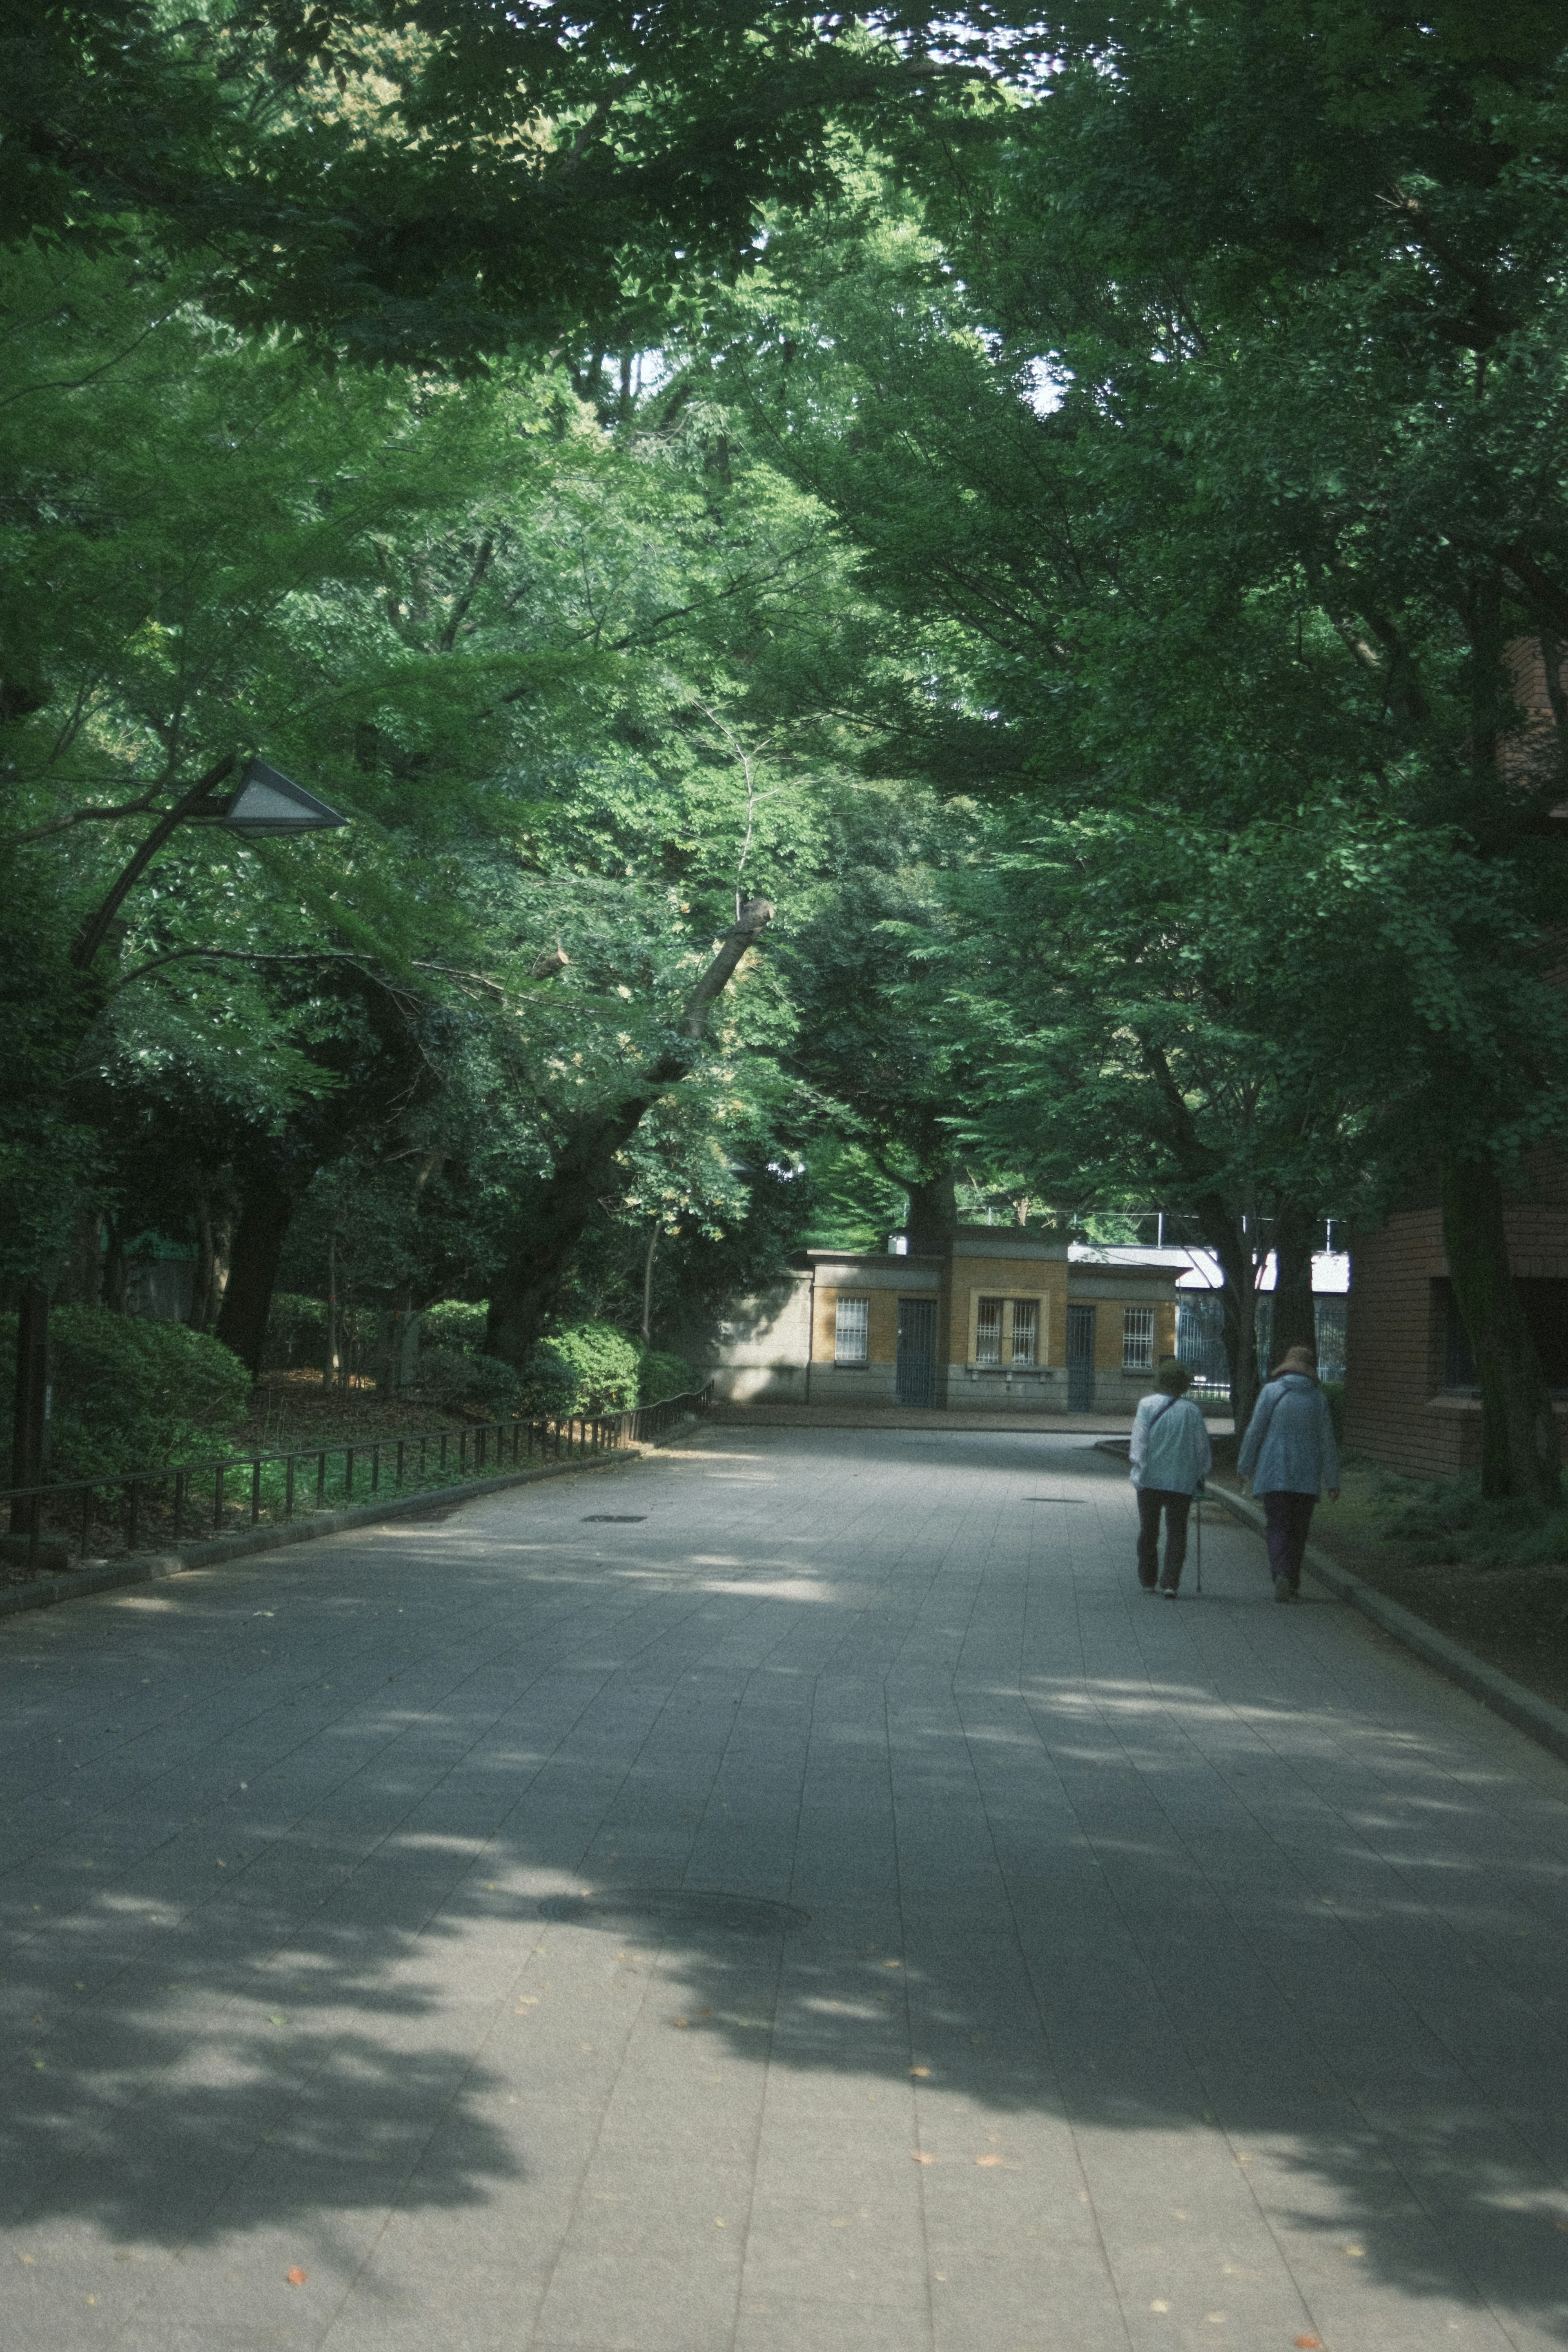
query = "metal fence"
{"x": 1200, "y": 1337}
{"x": 114, "y": 1514}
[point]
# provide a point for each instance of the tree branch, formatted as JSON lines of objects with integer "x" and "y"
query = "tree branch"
{"x": 95, "y": 931}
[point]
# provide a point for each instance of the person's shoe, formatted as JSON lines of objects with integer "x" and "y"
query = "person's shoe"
{"x": 1149, "y": 1584}
{"x": 1169, "y": 1591}
{"x": 1282, "y": 1589}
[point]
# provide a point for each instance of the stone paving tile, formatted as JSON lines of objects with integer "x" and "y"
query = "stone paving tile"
{"x": 1151, "y": 1977}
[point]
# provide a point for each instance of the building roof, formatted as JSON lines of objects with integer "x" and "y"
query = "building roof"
{"x": 1198, "y": 1269}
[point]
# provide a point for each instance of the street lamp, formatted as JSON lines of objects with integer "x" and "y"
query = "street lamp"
{"x": 267, "y": 805}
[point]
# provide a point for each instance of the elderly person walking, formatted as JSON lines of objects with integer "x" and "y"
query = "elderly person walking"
{"x": 1289, "y": 1455}
{"x": 1170, "y": 1455}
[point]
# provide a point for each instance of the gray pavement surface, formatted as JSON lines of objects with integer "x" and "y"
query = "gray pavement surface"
{"x": 824, "y": 1907}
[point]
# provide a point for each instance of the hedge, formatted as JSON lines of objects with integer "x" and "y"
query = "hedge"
{"x": 130, "y": 1393}
{"x": 591, "y": 1368}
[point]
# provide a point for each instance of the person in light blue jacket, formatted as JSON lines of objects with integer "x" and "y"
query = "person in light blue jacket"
{"x": 1170, "y": 1455}
{"x": 1289, "y": 1455}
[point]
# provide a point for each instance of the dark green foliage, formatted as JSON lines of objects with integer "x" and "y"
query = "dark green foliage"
{"x": 1335, "y": 1393}
{"x": 660, "y": 1376}
{"x": 495, "y": 178}
{"x": 461, "y": 1380}
{"x": 1453, "y": 1521}
{"x": 591, "y": 1368}
{"x": 454, "y": 1323}
{"x": 132, "y": 1394}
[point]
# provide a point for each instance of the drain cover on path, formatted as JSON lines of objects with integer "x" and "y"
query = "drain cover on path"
{"x": 671, "y": 1909}
{"x": 614, "y": 1518}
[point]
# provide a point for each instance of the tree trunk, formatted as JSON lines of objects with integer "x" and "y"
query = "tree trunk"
{"x": 647, "y": 1289}
{"x": 1520, "y": 1455}
{"x": 933, "y": 1215}
{"x": 116, "y": 1274}
{"x": 528, "y": 1284}
{"x": 1295, "y": 1320}
{"x": 214, "y": 1232}
{"x": 266, "y": 1209}
{"x": 1226, "y": 1236}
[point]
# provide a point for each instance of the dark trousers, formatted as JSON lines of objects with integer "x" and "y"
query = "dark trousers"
{"x": 1287, "y": 1518}
{"x": 1151, "y": 1501}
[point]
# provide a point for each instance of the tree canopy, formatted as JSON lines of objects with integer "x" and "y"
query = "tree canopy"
{"x": 1063, "y": 507}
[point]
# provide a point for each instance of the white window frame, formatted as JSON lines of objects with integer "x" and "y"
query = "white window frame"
{"x": 1026, "y": 1307}
{"x": 1138, "y": 1339}
{"x": 852, "y": 1329}
{"x": 989, "y": 1362}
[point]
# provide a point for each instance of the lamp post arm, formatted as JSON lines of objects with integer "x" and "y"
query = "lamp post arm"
{"x": 95, "y": 929}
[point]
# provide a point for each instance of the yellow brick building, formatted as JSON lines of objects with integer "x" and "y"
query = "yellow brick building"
{"x": 1001, "y": 1321}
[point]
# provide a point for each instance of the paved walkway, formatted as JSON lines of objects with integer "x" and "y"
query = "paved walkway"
{"x": 830, "y": 1911}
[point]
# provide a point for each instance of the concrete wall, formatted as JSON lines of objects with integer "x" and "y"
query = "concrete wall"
{"x": 757, "y": 1353}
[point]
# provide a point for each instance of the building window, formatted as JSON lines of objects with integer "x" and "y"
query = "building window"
{"x": 1025, "y": 1331}
{"x": 851, "y": 1323}
{"x": 1138, "y": 1340}
{"x": 1543, "y": 1301}
{"x": 988, "y": 1332}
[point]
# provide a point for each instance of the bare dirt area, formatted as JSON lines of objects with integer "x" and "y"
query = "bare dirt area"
{"x": 296, "y": 1408}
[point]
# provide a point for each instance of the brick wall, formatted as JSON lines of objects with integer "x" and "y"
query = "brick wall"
{"x": 1395, "y": 1413}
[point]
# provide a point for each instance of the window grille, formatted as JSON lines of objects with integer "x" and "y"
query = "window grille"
{"x": 851, "y": 1323}
{"x": 1026, "y": 1330}
{"x": 988, "y": 1332}
{"x": 1138, "y": 1340}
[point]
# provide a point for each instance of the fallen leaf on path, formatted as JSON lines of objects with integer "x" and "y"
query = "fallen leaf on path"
{"x": 922, "y": 2071}
{"x": 297, "y": 2277}
{"x": 987, "y": 2160}
{"x": 1309, "y": 2343}
{"x": 920, "y": 2157}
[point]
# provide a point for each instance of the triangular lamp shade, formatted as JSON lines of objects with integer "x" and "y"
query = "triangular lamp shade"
{"x": 269, "y": 801}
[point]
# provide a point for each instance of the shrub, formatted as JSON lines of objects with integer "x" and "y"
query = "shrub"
{"x": 664, "y": 1376}
{"x": 452, "y": 1377}
{"x": 592, "y": 1367}
{"x": 132, "y": 1394}
{"x": 454, "y": 1323}
{"x": 1335, "y": 1393}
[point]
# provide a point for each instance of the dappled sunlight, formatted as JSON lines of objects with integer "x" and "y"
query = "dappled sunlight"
{"x": 504, "y": 1833}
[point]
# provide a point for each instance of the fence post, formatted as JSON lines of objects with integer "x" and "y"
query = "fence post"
{"x": 132, "y": 1512}
{"x": 256, "y": 1490}
{"x": 179, "y": 1509}
{"x": 218, "y": 1500}
{"x": 348, "y": 1472}
{"x": 288, "y": 1489}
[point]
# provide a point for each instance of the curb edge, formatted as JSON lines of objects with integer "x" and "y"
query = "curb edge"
{"x": 1527, "y": 1712}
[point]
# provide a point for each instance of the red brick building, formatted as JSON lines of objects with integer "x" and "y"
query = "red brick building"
{"x": 1411, "y": 1399}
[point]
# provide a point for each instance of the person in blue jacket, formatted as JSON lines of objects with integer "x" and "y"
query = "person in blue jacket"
{"x": 1170, "y": 1455}
{"x": 1289, "y": 1455}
